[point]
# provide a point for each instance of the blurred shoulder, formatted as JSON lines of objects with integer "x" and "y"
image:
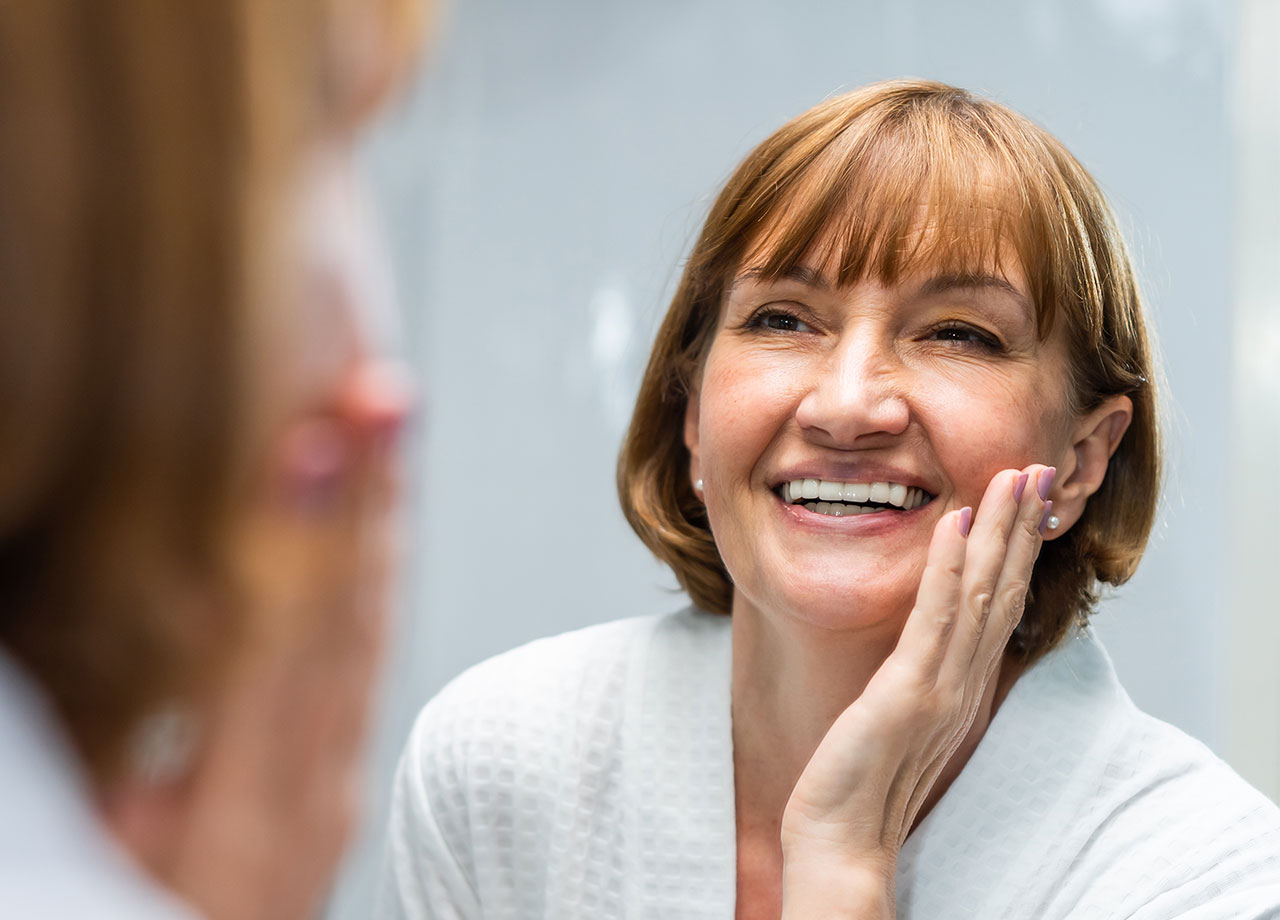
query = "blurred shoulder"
{"x": 56, "y": 858}
{"x": 71, "y": 891}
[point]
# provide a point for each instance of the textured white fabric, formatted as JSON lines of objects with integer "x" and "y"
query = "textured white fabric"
{"x": 56, "y": 862}
{"x": 591, "y": 776}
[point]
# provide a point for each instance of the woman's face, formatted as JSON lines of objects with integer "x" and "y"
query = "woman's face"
{"x": 320, "y": 550}
{"x": 898, "y": 404}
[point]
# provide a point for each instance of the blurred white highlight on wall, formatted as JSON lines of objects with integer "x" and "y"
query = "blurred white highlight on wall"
{"x": 1156, "y": 29}
{"x": 611, "y": 348}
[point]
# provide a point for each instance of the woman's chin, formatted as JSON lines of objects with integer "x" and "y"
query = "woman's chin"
{"x": 838, "y": 607}
{"x": 834, "y": 618}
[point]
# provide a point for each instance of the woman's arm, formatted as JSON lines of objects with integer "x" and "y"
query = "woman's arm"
{"x": 864, "y": 787}
{"x": 816, "y": 888}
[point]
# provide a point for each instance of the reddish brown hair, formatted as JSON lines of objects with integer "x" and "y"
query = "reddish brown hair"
{"x": 845, "y": 184}
{"x": 143, "y": 152}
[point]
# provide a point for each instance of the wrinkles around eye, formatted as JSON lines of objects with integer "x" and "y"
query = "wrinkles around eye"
{"x": 775, "y": 320}
{"x": 962, "y": 334}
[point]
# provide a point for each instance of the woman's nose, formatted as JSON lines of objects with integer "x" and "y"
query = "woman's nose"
{"x": 856, "y": 393}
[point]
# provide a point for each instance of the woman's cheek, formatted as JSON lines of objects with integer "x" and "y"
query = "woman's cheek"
{"x": 745, "y": 401}
{"x": 975, "y": 438}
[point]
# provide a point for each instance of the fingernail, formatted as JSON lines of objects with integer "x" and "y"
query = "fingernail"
{"x": 1044, "y": 482}
{"x": 1044, "y": 521}
{"x": 966, "y": 518}
{"x": 1019, "y": 486}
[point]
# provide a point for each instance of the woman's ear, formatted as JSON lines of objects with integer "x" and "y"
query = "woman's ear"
{"x": 1081, "y": 471}
{"x": 691, "y": 435}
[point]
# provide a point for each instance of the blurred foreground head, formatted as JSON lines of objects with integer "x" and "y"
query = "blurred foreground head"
{"x": 161, "y": 168}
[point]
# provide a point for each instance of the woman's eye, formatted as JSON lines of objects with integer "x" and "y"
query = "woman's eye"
{"x": 780, "y": 321}
{"x": 966, "y": 335}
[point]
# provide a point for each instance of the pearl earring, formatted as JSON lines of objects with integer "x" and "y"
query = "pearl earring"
{"x": 1054, "y": 522}
{"x": 697, "y": 486}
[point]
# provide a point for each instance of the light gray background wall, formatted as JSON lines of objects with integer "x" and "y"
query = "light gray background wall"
{"x": 542, "y": 185}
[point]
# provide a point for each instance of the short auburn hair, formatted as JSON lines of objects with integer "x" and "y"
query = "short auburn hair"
{"x": 147, "y": 157}
{"x": 846, "y": 181}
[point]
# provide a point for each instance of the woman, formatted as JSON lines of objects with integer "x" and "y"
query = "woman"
{"x": 197, "y": 479}
{"x": 906, "y": 304}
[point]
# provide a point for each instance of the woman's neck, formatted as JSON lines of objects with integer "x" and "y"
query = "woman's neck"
{"x": 791, "y": 680}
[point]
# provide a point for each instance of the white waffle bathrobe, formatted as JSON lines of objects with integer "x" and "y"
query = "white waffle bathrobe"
{"x": 591, "y": 776}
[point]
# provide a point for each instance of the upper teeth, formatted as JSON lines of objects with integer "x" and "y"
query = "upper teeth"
{"x": 893, "y": 493}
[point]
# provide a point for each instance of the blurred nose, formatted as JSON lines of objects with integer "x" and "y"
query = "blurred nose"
{"x": 378, "y": 398}
{"x": 856, "y": 394}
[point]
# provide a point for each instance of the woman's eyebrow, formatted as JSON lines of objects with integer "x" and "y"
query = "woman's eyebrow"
{"x": 809, "y": 277}
{"x": 944, "y": 284}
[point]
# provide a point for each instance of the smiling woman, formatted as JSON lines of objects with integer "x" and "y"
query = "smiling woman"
{"x": 993, "y": 233}
{"x": 907, "y": 304}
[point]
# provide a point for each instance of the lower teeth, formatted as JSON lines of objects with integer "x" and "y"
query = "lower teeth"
{"x": 843, "y": 509}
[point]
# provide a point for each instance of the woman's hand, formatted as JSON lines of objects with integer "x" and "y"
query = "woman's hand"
{"x": 864, "y": 787}
{"x": 273, "y": 794}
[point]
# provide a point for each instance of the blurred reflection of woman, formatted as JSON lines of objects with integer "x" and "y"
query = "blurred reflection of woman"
{"x": 907, "y": 304}
{"x": 196, "y": 482}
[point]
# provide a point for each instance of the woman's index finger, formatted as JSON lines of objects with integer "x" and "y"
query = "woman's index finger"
{"x": 1014, "y": 580}
{"x": 923, "y": 644}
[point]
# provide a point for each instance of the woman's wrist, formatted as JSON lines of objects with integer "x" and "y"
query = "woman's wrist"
{"x": 820, "y": 886}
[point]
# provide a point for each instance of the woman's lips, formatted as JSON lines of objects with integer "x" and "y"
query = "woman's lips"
{"x": 848, "y": 499}
{"x": 875, "y": 520}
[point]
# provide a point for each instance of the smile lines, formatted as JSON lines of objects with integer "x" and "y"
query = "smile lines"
{"x": 847, "y": 498}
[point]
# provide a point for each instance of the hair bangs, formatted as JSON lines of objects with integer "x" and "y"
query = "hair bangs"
{"x": 915, "y": 191}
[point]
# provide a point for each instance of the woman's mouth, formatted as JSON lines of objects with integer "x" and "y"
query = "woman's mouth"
{"x": 840, "y": 499}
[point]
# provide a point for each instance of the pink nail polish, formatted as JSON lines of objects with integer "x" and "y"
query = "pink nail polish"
{"x": 1044, "y": 482}
{"x": 1019, "y": 486}
{"x": 1044, "y": 521}
{"x": 966, "y": 518}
